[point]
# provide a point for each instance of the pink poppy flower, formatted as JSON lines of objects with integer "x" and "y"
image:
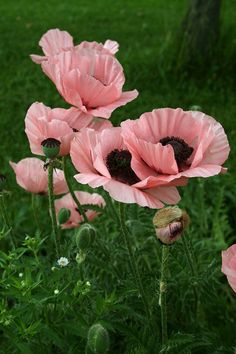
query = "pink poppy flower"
{"x": 89, "y": 80}
{"x": 56, "y": 41}
{"x": 103, "y": 159}
{"x": 43, "y": 123}
{"x": 31, "y": 176}
{"x": 84, "y": 198}
{"x": 229, "y": 265}
{"x": 168, "y": 144}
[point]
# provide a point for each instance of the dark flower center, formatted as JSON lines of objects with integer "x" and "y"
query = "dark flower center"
{"x": 75, "y": 130}
{"x": 181, "y": 149}
{"x": 51, "y": 143}
{"x": 118, "y": 163}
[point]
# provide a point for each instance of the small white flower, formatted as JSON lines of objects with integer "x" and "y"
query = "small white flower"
{"x": 63, "y": 262}
{"x": 20, "y": 275}
{"x": 56, "y": 291}
{"x": 88, "y": 283}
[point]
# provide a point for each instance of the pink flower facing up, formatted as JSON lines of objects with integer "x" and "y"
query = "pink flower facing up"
{"x": 89, "y": 80}
{"x": 31, "y": 176}
{"x": 56, "y": 41}
{"x": 84, "y": 198}
{"x": 229, "y": 265}
{"x": 170, "y": 144}
{"x": 103, "y": 159}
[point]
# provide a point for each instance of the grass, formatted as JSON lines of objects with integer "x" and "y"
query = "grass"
{"x": 146, "y": 31}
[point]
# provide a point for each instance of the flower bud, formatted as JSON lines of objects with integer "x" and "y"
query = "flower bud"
{"x": 85, "y": 236}
{"x": 98, "y": 339}
{"x": 51, "y": 147}
{"x": 170, "y": 223}
{"x": 63, "y": 215}
{"x": 2, "y": 182}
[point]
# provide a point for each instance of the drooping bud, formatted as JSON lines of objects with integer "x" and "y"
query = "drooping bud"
{"x": 85, "y": 236}
{"x": 51, "y": 147}
{"x": 98, "y": 339}
{"x": 63, "y": 215}
{"x": 170, "y": 223}
{"x": 2, "y": 182}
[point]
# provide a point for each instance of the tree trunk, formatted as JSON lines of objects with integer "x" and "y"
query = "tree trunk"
{"x": 200, "y": 31}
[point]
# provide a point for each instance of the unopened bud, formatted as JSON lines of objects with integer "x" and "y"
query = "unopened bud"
{"x": 98, "y": 339}
{"x": 170, "y": 223}
{"x": 2, "y": 182}
{"x": 63, "y": 215}
{"x": 85, "y": 236}
{"x": 51, "y": 147}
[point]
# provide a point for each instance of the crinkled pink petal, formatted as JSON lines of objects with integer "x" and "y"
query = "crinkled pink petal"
{"x": 92, "y": 179}
{"x": 75, "y": 118}
{"x": 59, "y": 182}
{"x": 54, "y": 41}
{"x": 106, "y": 111}
{"x": 91, "y": 91}
{"x": 30, "y": 175}
{"x": 38, "y": 59}
{"x": 168, "y": 195}
{"x": 128, "y": 194}
{"x": 100, "y": 124}
{"x": 111, "y": 46}
{"x": 80, "y": 152}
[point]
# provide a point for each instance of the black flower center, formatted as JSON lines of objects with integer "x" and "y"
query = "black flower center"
{"x": 118, "y": 163}
{"x": 181, "y": 149}
{"x": 51, "y": 143}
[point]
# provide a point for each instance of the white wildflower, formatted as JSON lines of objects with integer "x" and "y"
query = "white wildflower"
{"x": 63, "y": 262}
{"x": 56, "y": 291}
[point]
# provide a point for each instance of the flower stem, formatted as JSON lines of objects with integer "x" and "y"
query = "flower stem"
{"x": 79, "y": 206}
{"x": 52, "y": 206}
{"x": 6, "y": 219}
{"x": 133, "y": 266}
{"x": 163, "y": 290}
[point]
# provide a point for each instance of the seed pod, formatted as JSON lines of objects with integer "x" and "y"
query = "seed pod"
{"x": 98, "y": 339}
{"x": 2, "y": 182}
{"x": 63, "y": 215}
{"x": 85, "y": 236}
{"x": 51, "y": 147}
{"x": 170, "y": 223}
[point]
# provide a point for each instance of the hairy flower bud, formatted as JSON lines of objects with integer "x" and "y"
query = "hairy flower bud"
{"x": 51, "y": 147}
{"x": 170, "y": 223}
{"x": 98, "y": 339}
{"x": 85, "y": 236}
{"x": 63, "y": 215}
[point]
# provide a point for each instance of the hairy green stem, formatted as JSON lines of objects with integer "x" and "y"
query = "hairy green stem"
{"x": 163, "y": 291}
{"x": 6, "y": 219}
{"x": 52, "y": 206}
{"x": 79, "y": 206}
{"x": 132, "y": 262}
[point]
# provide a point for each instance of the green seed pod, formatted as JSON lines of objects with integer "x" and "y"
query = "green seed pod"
{"x": 2, "y": 182}
{"x": 63, "y": 215}
{"x": 51, "y": 147}
{"x": 98, "y": 339}
{"x": 85, "y": 236}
